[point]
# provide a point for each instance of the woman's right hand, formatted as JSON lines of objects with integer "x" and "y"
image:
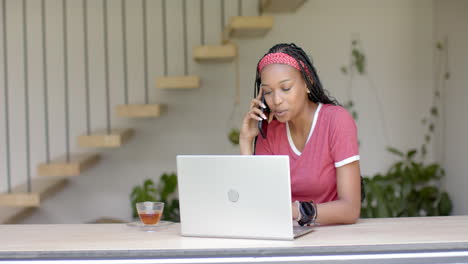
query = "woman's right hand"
{"x": 249, "y": 129}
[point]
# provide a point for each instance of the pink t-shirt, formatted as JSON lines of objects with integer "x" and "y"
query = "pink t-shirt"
{"x": 332, "y": 143}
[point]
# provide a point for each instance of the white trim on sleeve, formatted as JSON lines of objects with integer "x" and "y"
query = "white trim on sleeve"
{"x": 346, "y": 161}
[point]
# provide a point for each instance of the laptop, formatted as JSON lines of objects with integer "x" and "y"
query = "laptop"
{"x": 239, "y": 196}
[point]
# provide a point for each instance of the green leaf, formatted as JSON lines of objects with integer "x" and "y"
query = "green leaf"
{"x": 416, "y": 172}
{"x": 427, "y": 138}
{"x": 375, "y": 212}
{"x": 445, "y": 204}
{"x": 359, "y": 60}
{"x": 429, "y": 194}
{"x": 411, "y": 153}
{"x": 360, "y": 65}
{"x": 147, "y": 183}
{"x": 395, "y": 151}
{"x": 364, "y": 212}
{"x": 344, "y": 69}
{"x": 355, "y": 53}
{"x": 434, "y": 111}
{"x": 431, "y": 127}
{"x": 383, "y": 210}
{"x": 376, "y": 179}
{"x": 136, "y": 191}
{"x": 439, "y": 45}
{"x": 447, "y": 75}
{"x": 442, "y": 172}
{"x": 395, "y": 168}
{"x": 233, "y": 136}
{"x": 431, "y": 171}
{"x": 423, "y": 150}
{"x": 405, "y": 191}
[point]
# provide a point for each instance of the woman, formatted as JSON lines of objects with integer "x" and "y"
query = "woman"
{"x": 318, "y": 135}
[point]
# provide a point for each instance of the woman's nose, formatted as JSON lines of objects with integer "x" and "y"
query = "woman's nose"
{"x": 277, "y": 98}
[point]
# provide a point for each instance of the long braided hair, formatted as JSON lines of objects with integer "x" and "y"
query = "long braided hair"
{"x": 317, "y": 93}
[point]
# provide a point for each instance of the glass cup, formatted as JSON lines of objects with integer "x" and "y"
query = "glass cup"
{"x": 150, "y": 212}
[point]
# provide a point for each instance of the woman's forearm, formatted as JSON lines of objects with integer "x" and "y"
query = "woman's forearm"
{"x": 338, "y": 212}
{"x": 246, "y": 147}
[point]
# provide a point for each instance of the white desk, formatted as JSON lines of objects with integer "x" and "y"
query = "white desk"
{"x": 406, "y": 240}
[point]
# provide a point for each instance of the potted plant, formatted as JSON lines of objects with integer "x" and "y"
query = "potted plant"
{"x": 408, "y": 188}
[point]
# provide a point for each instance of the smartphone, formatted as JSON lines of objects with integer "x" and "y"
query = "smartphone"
{"x": 263, "y": 124}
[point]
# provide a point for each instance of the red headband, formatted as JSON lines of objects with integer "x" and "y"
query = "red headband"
{"x": 279, "y": 58}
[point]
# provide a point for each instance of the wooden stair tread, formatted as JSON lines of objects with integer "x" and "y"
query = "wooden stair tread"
{"x": 139, "y": 110}
{"x": 107, "y": 220}
{"x": 31, "y": 199}
{"x": 43, "y": 186}
{"x": 116, "y": 138}
{"x": 248, "y": 27}
{"x": 60, "y": 167}
{"x": 280, "y": 6}
{"x": 215, "y": 53}
{"x": 178, "y": 82}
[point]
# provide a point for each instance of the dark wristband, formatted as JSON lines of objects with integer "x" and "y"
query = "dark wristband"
{"x": 308, "y": 212}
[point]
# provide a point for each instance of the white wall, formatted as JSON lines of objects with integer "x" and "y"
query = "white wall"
{"x": 397, "y": 37}
{"x": 451, "y": 21}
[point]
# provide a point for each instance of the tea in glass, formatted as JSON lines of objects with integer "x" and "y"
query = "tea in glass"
{"x": 150, "y": 212}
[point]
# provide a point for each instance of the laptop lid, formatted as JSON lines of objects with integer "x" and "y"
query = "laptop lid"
{"x": 235, "y": 196}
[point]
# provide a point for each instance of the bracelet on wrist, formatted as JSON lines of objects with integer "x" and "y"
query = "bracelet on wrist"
{"x": 308, "y": 212}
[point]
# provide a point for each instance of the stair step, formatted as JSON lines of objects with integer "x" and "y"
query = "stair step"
{"x": 20, "y": 199}
{"x": 60, "y": 167}
{"x": 139, "y": 110}
{"x": 178, "y": 82}
{"x": 115, "y": 139}
{"x": 280, "y": 6}
{"x": 248, "y": 27}
{"x": 107, "y": 220}
{"x": 215, "y": 53}
{"x": 44, "y": 186}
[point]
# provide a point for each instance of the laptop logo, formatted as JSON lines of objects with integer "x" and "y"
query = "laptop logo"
{"x": 233, "y": 195}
